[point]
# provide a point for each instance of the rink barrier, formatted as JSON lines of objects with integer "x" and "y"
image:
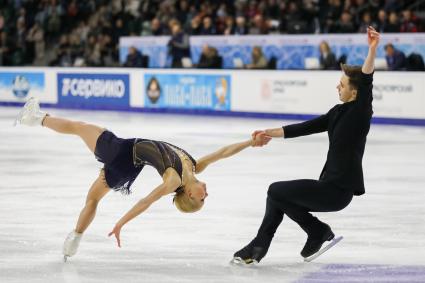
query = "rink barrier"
{"x": 297, "y": 117}
{"x": 399, "y": 97}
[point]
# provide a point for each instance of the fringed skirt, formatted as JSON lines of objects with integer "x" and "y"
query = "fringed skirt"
{"x": 117, "y": 156}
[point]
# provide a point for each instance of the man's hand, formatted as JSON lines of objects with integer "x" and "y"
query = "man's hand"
{"x": 373, "y": 41}
{"x": 116, "y": 232}
{"x": 372, "y": 37}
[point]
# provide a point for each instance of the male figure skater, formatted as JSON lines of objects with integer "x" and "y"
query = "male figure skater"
{"x": 347, "y": 125}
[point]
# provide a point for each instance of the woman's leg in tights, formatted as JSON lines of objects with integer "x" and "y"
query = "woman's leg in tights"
{"x": 97, "y": 191}
{"x": 89, "y": 134}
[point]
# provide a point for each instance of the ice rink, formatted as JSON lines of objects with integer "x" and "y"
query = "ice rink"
{"x": 44, "y": 178}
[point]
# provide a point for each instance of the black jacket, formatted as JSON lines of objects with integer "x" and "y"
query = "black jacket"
{"x": 347, "y": 125}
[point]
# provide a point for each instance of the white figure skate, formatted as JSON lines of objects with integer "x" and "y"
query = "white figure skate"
{"x": 30, "y": 114}
{"x": 70, "y": 246}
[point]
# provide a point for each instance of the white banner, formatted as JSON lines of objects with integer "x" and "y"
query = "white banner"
{"x": 287, "y": 92}
{"x": 396, "y": 94}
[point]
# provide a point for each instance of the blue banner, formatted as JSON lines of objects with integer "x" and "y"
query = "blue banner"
{"x": 183, "y": 91}
{"x": 17, "y": 86}
{"x": 94, "y": 91}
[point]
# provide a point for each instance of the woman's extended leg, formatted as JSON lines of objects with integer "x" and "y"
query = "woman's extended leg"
{"x": 31, "y": 115}
{"x": 87, "y": 132}
{"x": 97, "y": 191}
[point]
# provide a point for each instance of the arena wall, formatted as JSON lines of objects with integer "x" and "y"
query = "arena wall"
{"x": 399, "y": 97}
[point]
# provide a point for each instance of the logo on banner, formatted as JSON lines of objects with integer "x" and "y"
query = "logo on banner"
{"x": 270, "y": 88}
{"x": 20, "y": 86}
{"x": 187, "y": 91}
{"x": 103, "y": 91}
{"x": 153, "y": 90}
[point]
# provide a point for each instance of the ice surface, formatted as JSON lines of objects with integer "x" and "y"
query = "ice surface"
{"x": 44, "y": 178}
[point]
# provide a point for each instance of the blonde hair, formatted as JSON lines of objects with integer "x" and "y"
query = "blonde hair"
{"x": 184, "y": 203}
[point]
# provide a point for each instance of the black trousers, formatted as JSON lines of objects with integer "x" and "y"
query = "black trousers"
{"x": 297, "y": 199}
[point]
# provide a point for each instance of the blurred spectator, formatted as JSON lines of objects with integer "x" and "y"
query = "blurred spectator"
{"x": 344, "y": 25}
{"x": 76, "y": 49}
{"x": 54, "y": 14}
{"x": 119, "y": 30}
{"x": 391, "y": 5}
{"x": 258, "y": 59}
{"x": 209, "y": 58}
{"x": 415, "y": 62}
{"x": 365, "y": 22}
{"x": 183, "y": 12}
{"x": 358, "y": 9}
{"x": 156, "y": 27}
{"x": 62, "y": 56}
{"x": 36, "y": 36}
{"x": 241, "y": 27}
{"x": 5, "y": 50}
{"x": 2, "y": 20}
{"x": 382, "y": 21}
{"x": 195, "y": 26}
{"x": 259, "y": 26}
{"x": 229, "y": 26}
{"x": 221, "y": 18}
{"x": 178, "y": 46}
{"x": 408, "y": 24}
{"x": 396, "y": 59}
{"x": 327, "y": 58}
{"x": 134, "y": 58}
{"x": 393, "y": 23}
{"x": 295, "y": 19}
{"x": 330, "y": 14}
{"x": 207, "y": 27}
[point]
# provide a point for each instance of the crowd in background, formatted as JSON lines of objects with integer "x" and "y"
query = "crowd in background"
{"x": 86, "y": 33}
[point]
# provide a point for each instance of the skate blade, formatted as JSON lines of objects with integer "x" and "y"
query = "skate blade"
{"x": 333, "y": 242}
{"x": 241, "y": 262}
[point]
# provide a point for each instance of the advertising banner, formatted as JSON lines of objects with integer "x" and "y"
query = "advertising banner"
{"x": 187, "y": 91}
{"x": 19, "y": 86}
{"x": 396, "y": 94}
{"x": 399, "y": 94}
{"x": 285, "y": 92}
{"x": 94, "y": 91}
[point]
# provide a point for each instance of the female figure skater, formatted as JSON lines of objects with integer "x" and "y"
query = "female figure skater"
{"x": 123, "y": 160}
{"x": 347, "y": 125}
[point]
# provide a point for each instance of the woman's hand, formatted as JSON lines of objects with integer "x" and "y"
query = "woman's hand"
{"x": 116, "y": 232}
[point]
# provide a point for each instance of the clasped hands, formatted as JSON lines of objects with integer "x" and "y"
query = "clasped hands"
{"x": 260, "y": 138}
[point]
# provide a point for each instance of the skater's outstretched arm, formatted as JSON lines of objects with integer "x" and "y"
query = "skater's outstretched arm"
{"x": 313, "y": 126}
{"x": 228, "y": 151}
{"x": 171, "y": 182}
{"x": 373, "y": 41}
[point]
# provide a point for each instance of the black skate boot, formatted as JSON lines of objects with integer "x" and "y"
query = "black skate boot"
{"x": 252, "y": 253}
{"x": 318, "y": 234}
